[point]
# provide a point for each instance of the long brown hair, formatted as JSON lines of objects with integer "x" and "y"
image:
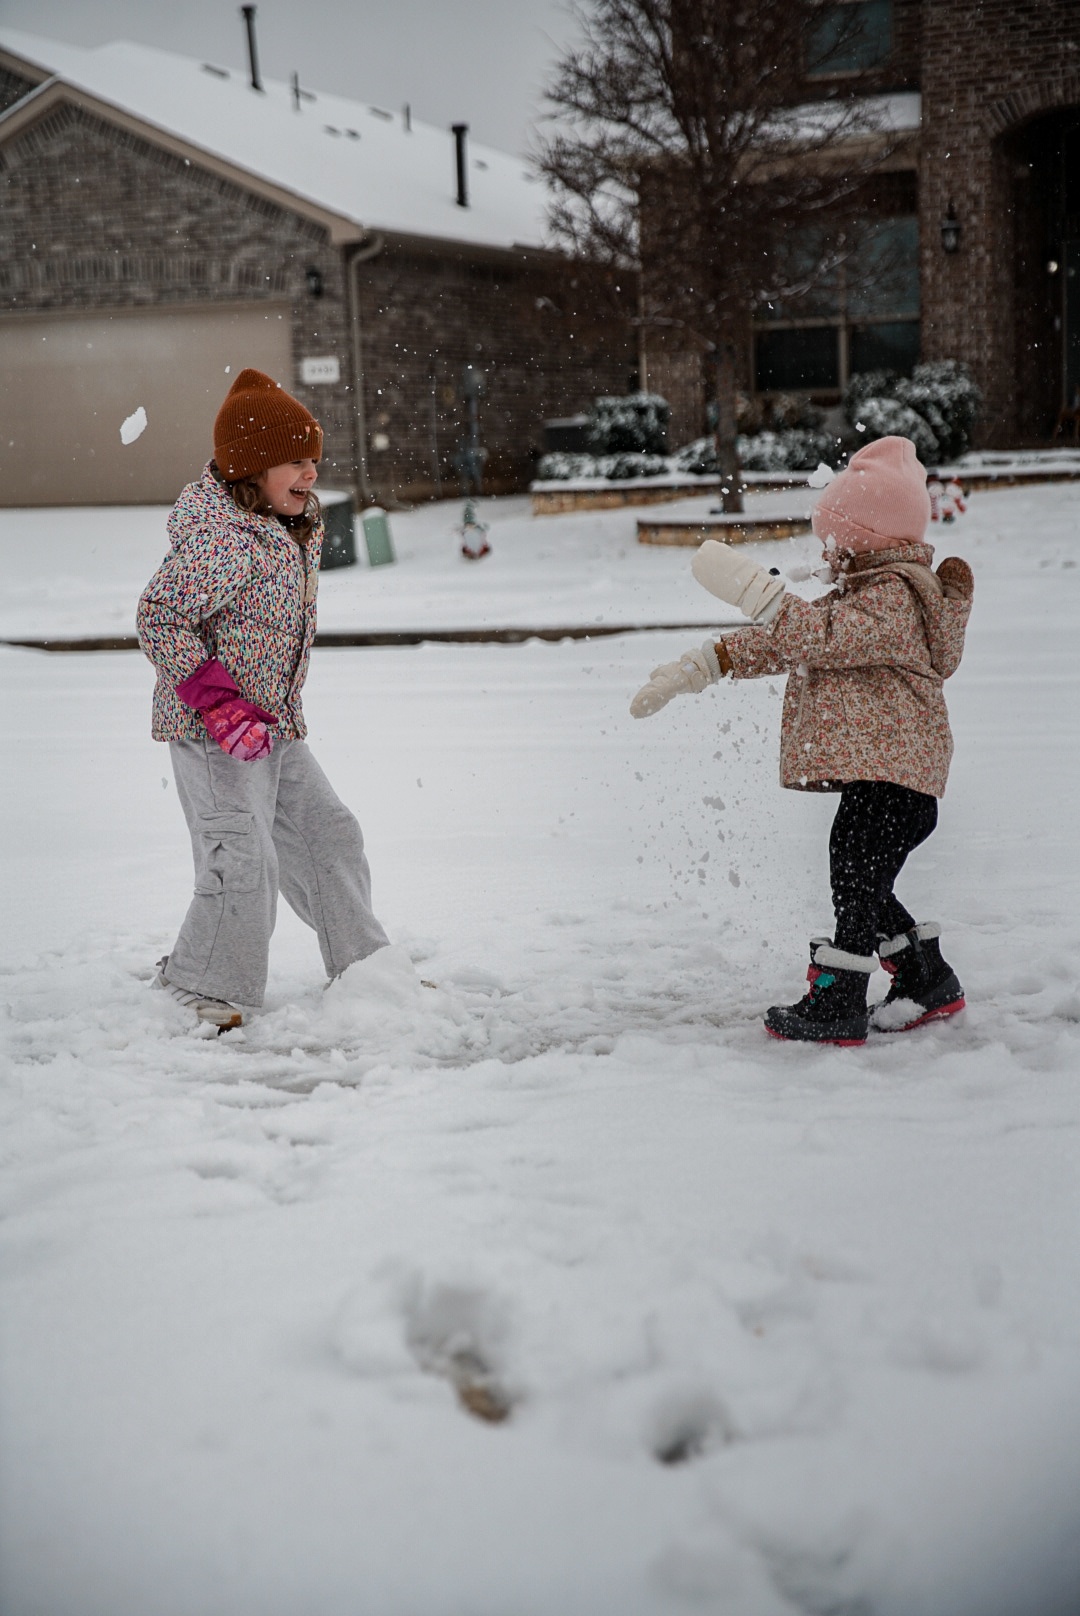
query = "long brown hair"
{"x": 250, "y": 497}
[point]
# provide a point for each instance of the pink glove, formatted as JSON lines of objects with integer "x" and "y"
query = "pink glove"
{"x": 237, "y": 725}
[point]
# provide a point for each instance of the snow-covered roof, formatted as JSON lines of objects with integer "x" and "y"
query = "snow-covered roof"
{"x": 352, "y": 158}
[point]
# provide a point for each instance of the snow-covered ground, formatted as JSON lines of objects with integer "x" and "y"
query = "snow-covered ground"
{"x": 74, "y": 573}
{"x": 781, "y": 1330}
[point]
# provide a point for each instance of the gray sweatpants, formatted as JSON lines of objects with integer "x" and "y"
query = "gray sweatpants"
{"x": 257, "y": 828}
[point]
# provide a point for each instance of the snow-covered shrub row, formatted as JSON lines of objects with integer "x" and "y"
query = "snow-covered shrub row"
{"x": 627, "y": 439}
{"x": 793, "y": 449}
{"x": 697, "y": 459}
{"x": 637, "y": 423}
{"x": 618, "y": 467}
{"x": 560, "y": 467}
{"x": 563, "y": 467}
{"x": 790, "y": 449}
{"x": 935, "y": 407}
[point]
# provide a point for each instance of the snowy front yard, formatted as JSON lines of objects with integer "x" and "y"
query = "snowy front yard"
{"x": 780, "y": 1329}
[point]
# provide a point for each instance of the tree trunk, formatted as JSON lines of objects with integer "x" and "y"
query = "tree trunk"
{"x": 727, "y": 447}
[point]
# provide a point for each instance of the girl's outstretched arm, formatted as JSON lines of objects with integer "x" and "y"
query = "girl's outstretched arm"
{"x": 878, "y": 624}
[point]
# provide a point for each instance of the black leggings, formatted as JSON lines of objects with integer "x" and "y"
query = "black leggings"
{"x": 876, "y": 826}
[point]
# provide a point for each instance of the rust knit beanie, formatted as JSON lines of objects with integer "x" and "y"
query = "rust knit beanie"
{"x": 260, "y": 425}
{"x": 878, "y": 501}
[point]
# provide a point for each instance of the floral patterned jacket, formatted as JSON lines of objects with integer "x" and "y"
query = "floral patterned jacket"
{"x": 238, "y": 587}
{"x": 865, "y": 668}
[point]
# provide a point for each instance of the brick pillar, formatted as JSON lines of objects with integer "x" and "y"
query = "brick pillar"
{"x": 968, "y": 311}
{"x": 988, "y": 68}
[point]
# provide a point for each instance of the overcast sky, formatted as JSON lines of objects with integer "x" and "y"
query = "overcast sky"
{"x": 480, "y": 62}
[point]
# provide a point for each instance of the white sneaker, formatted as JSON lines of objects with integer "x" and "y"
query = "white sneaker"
{"x": 218, "y": 1012}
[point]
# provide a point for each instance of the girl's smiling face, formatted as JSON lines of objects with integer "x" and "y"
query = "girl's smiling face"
{"x": 286, "y": 488}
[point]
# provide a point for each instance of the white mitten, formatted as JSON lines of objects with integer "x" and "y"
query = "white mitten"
{"x": 738, "y": 580}
{"x": 687, "y": 677}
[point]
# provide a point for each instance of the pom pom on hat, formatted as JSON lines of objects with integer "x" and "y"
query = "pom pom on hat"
{"x": 261, "y": 425}
{"x": 878, "y": 501}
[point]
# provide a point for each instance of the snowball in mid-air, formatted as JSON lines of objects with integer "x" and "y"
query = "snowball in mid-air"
{"x": 822, "y": 476}
{"x": 134, "y": 426}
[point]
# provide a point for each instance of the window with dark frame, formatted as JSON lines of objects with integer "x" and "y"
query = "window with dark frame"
{"x": 848, "y": 36}
{"x": 864, "y": 317}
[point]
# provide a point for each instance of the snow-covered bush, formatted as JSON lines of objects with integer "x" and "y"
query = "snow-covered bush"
{"x": 944, "y": 392}
{"x": 697, "y": 459}
{"x": 765, "y": 451}
{"x": 868, "y": 384}
{"x": 637, "y": 423}
{"x": 559, "y": 466}
{"x": 618, "y": 467}
{"x": 888, "y": 417}
{"x": 795, "y": 449}
{"x": 562, "y": 467}
{"x": 935, "y": 407}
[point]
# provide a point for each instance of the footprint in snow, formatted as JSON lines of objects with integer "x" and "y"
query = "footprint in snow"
{"x": 400, "y": 1322}
{"x": 688, "y": 1424}
{"x": 460, "y": 1333}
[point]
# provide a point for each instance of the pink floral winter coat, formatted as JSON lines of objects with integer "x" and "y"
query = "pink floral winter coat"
{"x": 238, "y": 587}
{"x": 865, "y": 667}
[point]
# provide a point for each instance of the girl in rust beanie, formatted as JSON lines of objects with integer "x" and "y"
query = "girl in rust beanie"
{"x": 260, "y": 425}
{"x": 228, "y": 620}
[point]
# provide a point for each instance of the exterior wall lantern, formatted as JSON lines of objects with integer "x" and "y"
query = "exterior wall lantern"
{"x": 950, "y": 231}
{"x": 313, "y": 277}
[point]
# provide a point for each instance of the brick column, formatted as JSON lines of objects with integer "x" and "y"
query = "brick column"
{"x": 988, "y": 67}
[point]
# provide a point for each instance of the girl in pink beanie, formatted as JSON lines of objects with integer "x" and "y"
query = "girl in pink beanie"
{"x": 864, "y": 715}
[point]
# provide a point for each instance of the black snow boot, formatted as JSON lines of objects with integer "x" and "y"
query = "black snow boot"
{"x": 924, "y": 986}
{"x": 834, "y": 1009}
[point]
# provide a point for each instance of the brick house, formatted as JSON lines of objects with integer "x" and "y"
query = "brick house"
{"x": 977, "y": 206}
{"x": 165, "y": 222}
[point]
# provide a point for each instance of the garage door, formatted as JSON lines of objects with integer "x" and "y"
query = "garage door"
{"x": 67, "y": 383}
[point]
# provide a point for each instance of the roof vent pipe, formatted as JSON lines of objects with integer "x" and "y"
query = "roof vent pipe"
{"x": 460, "y": 133}
{"x": 253, "y": 54}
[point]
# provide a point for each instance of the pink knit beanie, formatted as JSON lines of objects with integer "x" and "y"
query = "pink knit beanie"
{"x": 878, "y": 501}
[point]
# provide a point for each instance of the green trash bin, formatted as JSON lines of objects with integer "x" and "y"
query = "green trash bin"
{"x": 380, "y": 546}
{"x": 339, "y": 543}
